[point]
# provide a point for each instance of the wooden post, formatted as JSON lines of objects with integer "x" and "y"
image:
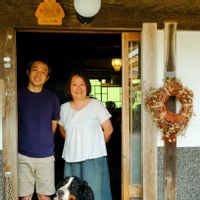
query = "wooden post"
{"x": 170, "y": 148}
{"x": 1, "y": 107}
{"x": 149, "y": 138}
{"x": 10, "y": 127}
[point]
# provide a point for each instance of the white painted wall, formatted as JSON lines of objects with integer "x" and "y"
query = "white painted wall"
{"x": 188, "y": 72}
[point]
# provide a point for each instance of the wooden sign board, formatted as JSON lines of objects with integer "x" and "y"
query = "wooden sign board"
{"x": 49, "y": 12}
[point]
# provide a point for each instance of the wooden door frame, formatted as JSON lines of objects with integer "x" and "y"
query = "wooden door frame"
{"x": 10, "y": 139}
{"x": 147, "y": 190}
{"x": 9, "y": 126}
{"x": 128, "y": 190}
{"x": 9, "y": 118}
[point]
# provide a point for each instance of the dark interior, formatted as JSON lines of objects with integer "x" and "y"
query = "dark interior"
{"x": 66, "y": 52}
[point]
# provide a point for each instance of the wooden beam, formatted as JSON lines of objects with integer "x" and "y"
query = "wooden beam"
{"x": 10, "y": 127}
{"x": 149, "y": 129}
{"x": 170, "y": 148}
{"x": 122, "y": 14}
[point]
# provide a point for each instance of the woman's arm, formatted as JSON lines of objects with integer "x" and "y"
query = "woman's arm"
{"x": 62, "y": 131}
{"x": 107, "y": 129}
{"x": 54, "y": 124}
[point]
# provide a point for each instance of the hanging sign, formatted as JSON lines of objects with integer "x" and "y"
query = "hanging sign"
{"x": 49, "y": 12}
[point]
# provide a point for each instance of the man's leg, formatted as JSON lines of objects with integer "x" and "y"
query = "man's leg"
{"x": 26, "y": 177}
{"x": 26, "y": 198}
{"x": 45, "y": 183}
{"x": 43, "y": 197}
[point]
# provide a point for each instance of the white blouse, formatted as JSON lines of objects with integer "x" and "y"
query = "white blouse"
{"x": 84, "y": 136}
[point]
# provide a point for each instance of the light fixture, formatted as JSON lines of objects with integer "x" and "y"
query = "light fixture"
{"x": 86, "y": 9}
{"x": 117, "y": 64}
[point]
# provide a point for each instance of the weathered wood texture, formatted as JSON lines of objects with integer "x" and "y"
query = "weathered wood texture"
{"x": 1, "y": 106}
{"x": 114, "y": 14}
{"x": 170, "y": 149}
{"x": 125, "y": 121}
{"x": 8, "y": 48}
{"x": 1, "y": 132}
{"x": 170, "y": 49}
{"x": 149, "y": 129}
{"x": 135, "y": 191}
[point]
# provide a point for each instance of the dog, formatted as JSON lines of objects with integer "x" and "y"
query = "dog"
{"x": 73, "y": 188}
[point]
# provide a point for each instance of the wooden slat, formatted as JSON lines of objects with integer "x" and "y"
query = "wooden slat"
{"x": 1, "y": 107}
{"x": 10, "y": 126}
{"x": 149, "y": 129}
{"x": 1, "y": 131}
{"x": 170, "y": 49}
{"x": 125, "y": 121}
{"x": 170, "y": 149}
{"x": 135, "y": 191}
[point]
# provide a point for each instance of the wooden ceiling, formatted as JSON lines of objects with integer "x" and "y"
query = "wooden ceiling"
{"x": 116, "y": 15}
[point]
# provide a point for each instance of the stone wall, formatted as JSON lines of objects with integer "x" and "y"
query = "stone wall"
{"x": 187, "y": 173}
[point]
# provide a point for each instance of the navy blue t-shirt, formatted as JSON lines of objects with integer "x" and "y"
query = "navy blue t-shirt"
{"x": 35, "y": 114}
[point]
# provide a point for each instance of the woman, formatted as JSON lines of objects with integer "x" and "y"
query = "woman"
{"x": 85, "y": 124}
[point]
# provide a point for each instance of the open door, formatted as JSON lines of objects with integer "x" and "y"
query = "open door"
{"x": 139, "y": 138}
{"x": 131, "y": 117}
{"x": 139, "y": 134}
{"x": 138, "y": 166}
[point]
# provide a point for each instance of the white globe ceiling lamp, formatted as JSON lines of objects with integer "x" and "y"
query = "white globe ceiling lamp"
{"x": 86, "y": 9}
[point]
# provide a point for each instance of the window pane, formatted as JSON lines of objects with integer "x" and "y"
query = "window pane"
{"x": 113, "y": 94}
{"x": 135, "y": 112}
{"x": 104, "y": 97}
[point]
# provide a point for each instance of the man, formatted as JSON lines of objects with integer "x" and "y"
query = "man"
{"x": 38, "y": 111}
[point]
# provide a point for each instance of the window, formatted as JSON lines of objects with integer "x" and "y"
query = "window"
{"x": 106, "y": 92}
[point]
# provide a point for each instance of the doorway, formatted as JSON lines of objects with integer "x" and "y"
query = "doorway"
{"x": 88, "y": 52}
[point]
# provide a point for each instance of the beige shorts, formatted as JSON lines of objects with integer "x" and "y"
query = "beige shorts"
{"x": 35, "y": 174}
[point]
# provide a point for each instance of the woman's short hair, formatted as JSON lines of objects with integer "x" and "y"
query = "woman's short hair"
{"x": 68, "y": 83}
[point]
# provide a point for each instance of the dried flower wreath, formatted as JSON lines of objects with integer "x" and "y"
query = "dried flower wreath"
{"x": 170, "y": 123}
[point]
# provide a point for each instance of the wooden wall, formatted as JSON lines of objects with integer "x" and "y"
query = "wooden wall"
{"x": 8, "y": 101}
{"x": 114, "y": 14}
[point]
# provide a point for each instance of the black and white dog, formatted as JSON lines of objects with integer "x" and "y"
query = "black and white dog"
{"x": 73, "y": 188}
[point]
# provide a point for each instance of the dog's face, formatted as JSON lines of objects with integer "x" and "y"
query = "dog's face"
{"x": 64, "y": 190}
{"x": 73, "y": 188}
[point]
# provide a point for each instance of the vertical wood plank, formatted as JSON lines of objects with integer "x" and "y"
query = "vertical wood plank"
{"x": 10, "y": 127}
{"x": 170, "y": 49}
{"x": 1, "y": 107}
{"x": 170, "y": 149}
{"x": 149, "y": 129}
{"x": 1, "y": 121}
{"x": 125, "y": 121}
